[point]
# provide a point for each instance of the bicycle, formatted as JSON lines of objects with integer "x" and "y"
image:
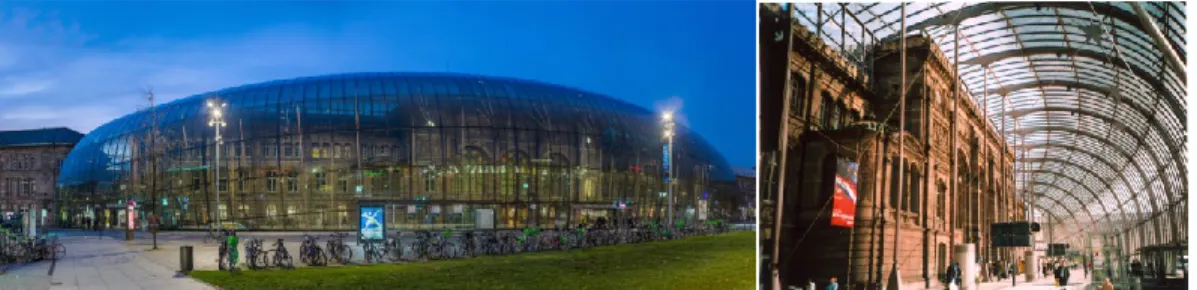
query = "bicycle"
{"x": 371, "y": 251}
{"x": 222, "y": 256}
{"x": 393, "y": 248}
{"x": 420, "y": 247}
{"x": 213, "y": 235}
{"x": 468, "y": 244}
{"x": 281, "y": 258}
{"x": 310, "y": 252}
{"x": 255, "y": 258}
{"x": 338, "y": 250}
{"x": 51, "y": 249}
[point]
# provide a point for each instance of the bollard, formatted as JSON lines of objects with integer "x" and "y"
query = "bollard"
{"x": 185, "y": 258}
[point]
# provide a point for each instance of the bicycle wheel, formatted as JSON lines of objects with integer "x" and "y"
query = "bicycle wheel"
{"x": 346, "y": 254}
{"x": 258, "y": 261}
{"x": 305, "y": 254}
{"x": 320, "y": 259}
{"x": 396, "y": 253}
{"x": 284, "y": 261}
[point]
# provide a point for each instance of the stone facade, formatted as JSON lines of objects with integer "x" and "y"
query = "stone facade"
{"x": 28, "y": 175}
{"x": 958, "y": 169}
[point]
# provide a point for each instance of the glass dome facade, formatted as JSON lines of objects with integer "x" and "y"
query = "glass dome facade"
{"x": 437, "y": 150}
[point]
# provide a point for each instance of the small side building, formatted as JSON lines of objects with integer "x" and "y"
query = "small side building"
{"x": 30, "y": 161}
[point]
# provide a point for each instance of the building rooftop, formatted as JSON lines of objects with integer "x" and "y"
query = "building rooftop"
{"x": 39, "y": 137}
{"x": 743, "y": 171}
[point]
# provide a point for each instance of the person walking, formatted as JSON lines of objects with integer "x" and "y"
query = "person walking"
{"x": 1106, "y": 285}
{"x": 1086, "y": 268}
{"x": 833, "y": 285}
{"x": 952, "y": 275}
{"x": 1062, "y": 275}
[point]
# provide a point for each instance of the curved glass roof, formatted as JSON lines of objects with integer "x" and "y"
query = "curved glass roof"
{"x": 396, "y": 100}
{"x": 1081, "y": 89}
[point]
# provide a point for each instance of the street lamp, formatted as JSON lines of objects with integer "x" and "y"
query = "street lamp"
{"x": 216, "y": 121}
{"x": 668, "y": 120}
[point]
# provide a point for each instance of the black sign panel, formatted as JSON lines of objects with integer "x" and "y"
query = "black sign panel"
{"x": 1014, "y": 234}
{"x": 1056, "y": 250}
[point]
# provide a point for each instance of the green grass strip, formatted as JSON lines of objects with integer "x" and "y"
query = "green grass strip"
{"x": 711, "y": 262}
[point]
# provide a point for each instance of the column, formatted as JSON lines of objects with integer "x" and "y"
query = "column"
{"x": 965, "y": 257}
{"x": 1032, "y": 265}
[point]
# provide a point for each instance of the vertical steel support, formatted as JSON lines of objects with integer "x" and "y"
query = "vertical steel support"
{"x": 951, "y": 211}
{"x": 895, "y": 279}
{"x": 783, "y": 141}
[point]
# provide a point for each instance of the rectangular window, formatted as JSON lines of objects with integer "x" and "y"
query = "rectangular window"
{"x": 336, "y": 151}
{"x": 271, "y": 182}
{"x": 825, "y": 111}
{"x": 797, "y": 95}
{"x": 343, "y": 185}
{"x": 224, "y": 183}
{"x": 320, "y": 181}
{"x": 315, "y": 150}
{"x": 241, "y": 181}
{"x": 292, "y": 184}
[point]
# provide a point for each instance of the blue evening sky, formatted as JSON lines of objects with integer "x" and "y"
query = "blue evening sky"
{"x": 81, "y": 64}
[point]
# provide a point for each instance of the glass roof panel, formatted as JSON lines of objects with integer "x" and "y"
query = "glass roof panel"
{"x": 1082, "y": 85}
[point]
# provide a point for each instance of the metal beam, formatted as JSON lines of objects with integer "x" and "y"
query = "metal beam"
{"x": 1161, "y": 43}
{"x": 1057, "y": 175}
{"x": 1173, "y": 149}
{"x": 955, "y": 17}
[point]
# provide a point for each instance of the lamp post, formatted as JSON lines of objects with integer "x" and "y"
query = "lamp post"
{"x": 668, "y": 119}
{"x": 216, "y": 121}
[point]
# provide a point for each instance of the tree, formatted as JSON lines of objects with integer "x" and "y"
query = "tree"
{"x": 152, "y": 142}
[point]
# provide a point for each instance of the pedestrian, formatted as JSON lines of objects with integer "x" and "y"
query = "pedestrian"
{"x": 1086, "y": 271}
{"x": 1062, "y": 274}
{"x": 810, "y": 284}
{"x": 833, "y": 285}
{"x": 953, "y": 274}
{"x": 1106, "y": 285}
{"x": 232, "y": 248}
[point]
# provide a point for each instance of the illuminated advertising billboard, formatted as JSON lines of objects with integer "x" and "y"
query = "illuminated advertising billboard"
{"x": 371, "y": 223}
{"x": 843, "y": 208}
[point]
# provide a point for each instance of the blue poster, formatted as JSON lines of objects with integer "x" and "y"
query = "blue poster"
{"x": 665, "y": 157}
{"x": 371, "y": 223}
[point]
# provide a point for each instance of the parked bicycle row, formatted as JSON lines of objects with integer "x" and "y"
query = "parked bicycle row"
{"x": 20, "y": 249}
{"x": 440, "y": 245}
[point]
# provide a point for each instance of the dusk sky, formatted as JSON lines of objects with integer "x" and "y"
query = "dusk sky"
{"x": 81, "y": 64}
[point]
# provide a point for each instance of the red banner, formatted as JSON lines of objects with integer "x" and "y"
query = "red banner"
{"x": 843, "y": 207}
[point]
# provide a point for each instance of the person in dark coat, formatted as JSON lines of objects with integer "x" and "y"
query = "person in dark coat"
{"x": 953, "y": 274}
{"x": 1062, "y": 275}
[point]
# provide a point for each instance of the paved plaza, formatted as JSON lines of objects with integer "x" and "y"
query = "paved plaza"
{"x": 98, "y": 263}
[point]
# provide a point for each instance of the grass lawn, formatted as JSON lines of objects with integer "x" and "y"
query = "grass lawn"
{"x": 713, "y": 262}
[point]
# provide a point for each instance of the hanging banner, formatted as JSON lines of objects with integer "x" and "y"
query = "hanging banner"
{"x": 665, "y": 161}
{"x": 371, "y": 223}
{"x": 843, "y": 208}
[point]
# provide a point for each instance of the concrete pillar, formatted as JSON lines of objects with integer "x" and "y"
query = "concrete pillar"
{"x": 1032, "y": 265}
{"x": 966, "y": 256}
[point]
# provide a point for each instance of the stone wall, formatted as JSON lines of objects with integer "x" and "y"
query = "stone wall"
{"x": 957, "y": 166}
